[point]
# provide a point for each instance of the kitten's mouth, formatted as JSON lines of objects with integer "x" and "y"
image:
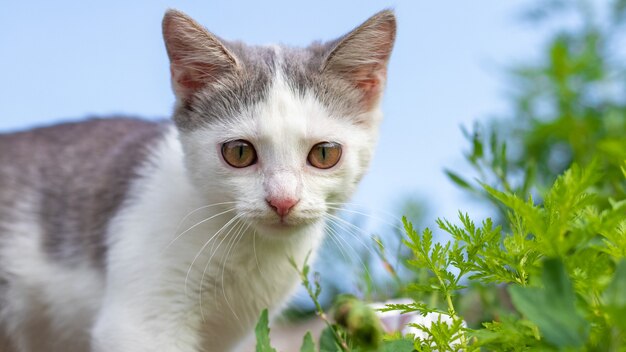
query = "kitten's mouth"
{"x": 283, "y": 225}
{"x": 280, "y": 225}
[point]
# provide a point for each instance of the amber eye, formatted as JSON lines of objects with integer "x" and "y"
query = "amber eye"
{"x": 239, "y": 153}
{"x": 325, "y": 155}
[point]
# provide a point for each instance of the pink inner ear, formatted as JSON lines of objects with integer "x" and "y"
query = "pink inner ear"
{"x": 189, "y": 81}
{"x": 371, "y": 90}
{"x": 368, "y": 85}
{"x": 190, "y": 78}
{"x": 368, "y": 81}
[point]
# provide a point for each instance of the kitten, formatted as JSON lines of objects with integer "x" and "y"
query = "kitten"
{"x": 127, "y": 235}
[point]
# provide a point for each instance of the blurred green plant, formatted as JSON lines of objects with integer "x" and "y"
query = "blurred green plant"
{"x": 354, "y": 326}
{"x": 569, "y": 107}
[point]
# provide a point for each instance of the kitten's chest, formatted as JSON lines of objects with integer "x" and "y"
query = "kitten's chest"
{"x": 249, "y": 276}
{"x": 235, "y": 294}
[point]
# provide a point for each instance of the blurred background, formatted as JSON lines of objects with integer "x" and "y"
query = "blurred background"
{"x": 456, "y": 66}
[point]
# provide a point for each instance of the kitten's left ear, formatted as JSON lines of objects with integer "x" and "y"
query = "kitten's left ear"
{"x": 361, "y": 56}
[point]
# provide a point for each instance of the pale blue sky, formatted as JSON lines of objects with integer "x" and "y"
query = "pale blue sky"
{"x": 65, "y": 60}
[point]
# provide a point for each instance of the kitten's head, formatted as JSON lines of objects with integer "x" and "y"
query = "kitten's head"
{"x": 284, "y": 133}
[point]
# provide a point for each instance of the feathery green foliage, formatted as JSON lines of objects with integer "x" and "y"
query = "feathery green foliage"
{"x": 558, "y": 261}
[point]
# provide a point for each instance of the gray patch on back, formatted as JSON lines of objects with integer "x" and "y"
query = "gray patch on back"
{"x": 79, "y": 174}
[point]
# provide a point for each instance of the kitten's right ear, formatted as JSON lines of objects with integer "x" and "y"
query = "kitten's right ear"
{"x": 197, "y": 57}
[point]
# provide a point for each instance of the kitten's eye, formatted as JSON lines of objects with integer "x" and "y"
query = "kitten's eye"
{"x": 325, "y": 155}
{"x": 239, "y": 153}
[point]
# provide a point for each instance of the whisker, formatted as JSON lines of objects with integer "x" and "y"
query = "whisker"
{"x": 238, "y": 217}
{"x": 332, "y": 234}
{"x": 341, "y": 223}
{"x": 395, "y": 226}
{"x": 198, "y": 224}
{"x": 204, "y": 246}
{"x": 197, "y": 210}
{"x": 238, "y": 238}
{"x": 400, "y": 228}
{"x": 256, "y": 258}
{"x": 363, "y": 206}
{"x": 229, "y": 245}
{"x": 356, "y": 253}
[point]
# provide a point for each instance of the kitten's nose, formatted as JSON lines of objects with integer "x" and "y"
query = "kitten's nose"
{"x": 282, "y": 206}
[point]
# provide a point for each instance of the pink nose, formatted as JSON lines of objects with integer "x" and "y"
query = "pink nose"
{"x": 282, "y": 206}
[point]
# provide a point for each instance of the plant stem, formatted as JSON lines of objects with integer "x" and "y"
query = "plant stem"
{"x": 318, "y": 307}
{"x": 322, "y": 315}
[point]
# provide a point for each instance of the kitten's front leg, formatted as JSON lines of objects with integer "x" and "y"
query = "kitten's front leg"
{"x": 128, "y": 329}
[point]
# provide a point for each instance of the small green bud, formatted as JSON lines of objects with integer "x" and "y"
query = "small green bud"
{"x": 359, "y": 321}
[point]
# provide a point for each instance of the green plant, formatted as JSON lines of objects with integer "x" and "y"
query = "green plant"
{"x": 548, "y": 269}
{"x": 568, "y": 106}
{"x": 563, "y": 262}
{"x": 354, "y": 327}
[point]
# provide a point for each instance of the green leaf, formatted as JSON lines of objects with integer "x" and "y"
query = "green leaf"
{"x": 328, "y": 343}
{"x": 262, "y": 332}
{"x": 552, "y": 307}
{"x": 458, "y": 180}
{"x": 307, "y": 343}
{"x": 403, "y": 345}
{"x": 477, "y": 145}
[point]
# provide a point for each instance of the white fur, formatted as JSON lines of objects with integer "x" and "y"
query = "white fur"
{"x": 174, "y": 281}
{"x": 51, "y": 306}
{"x": 157, "y": 281}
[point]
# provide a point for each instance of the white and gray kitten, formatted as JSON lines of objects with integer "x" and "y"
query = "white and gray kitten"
{"x": 127, "y": 235}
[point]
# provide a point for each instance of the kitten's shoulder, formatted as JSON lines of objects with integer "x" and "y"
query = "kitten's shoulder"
{"x": 79, "y": 174}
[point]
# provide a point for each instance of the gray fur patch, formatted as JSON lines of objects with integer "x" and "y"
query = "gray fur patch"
{"x": 78, "y": 175}
{"x": 214, "y": 79}
{"x": 333, "y": 71}
{"x": 301, "y": 67}
{"x": 249, "y": 86}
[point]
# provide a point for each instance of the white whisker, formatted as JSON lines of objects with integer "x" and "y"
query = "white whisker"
{"x": 198, "y": 224}
{"x": 237, "y": 238}
{"x": 356, "y": 253}
{"x": 197, "y": 210}
{"x": 340, "y": 223}
{"x": 362, "y": 206}
{"x": 238, "y": 217}
{"x": 256, "y": 258}
{"x": 332, "y": 234}
{"x": 395, "y": 226}
{"x": 203, "y": 247}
